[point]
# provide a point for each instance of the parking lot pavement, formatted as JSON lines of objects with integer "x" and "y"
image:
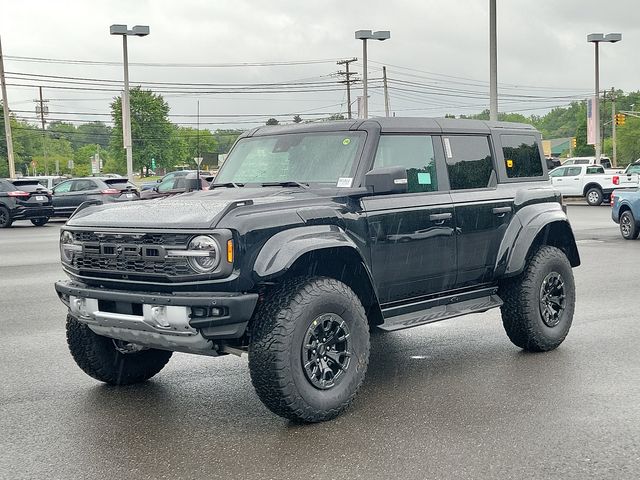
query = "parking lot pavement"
{"x": 450, "y": 400}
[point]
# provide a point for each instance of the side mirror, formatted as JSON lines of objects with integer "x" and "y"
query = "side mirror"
{"x": 158, "y": 180}
{"x": 386, "y": 180}
{"x": 155, "y": 189}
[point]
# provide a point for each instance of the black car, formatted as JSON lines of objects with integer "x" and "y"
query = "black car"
{"x": 69, "y": 195}
{"x": 24, "y": 200}
{"x": 310, "y": 237}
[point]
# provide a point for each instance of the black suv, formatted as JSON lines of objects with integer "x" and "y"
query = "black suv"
{"x": 311, "y": 236}
{"x": 24, "y": 200}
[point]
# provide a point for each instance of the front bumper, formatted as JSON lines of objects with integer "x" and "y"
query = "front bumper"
{"x": 215, "y": 315}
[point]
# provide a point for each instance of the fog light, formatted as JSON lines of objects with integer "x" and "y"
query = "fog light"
{"x": 216, "y": 312}
{"x": 159, "y": 315}
{"x": 80, "y": 306}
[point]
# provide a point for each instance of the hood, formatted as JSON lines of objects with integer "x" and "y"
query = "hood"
{"x": 197, "y": 210}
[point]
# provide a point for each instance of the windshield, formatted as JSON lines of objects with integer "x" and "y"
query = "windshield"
{"x": 298, "y": 157}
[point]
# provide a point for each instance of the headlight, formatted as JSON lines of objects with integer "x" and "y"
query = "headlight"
{"x": 203, "y": 254}
{"x": 67, "y": 247}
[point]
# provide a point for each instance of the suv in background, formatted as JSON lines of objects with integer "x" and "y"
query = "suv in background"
{"x": 167, "y": 177}
{"x": 69, "y": 195}
{"x": 26, "y": 200}
{"x": 176, "y": 185}
{"x": 310, "y": 236}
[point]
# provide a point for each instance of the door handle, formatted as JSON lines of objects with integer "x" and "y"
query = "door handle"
{"x": 501, "y": 210}
{"x": 439, "y": 218}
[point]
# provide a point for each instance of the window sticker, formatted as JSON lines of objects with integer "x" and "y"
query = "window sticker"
{"x": 346, "y": 141}
{"x": 424, "y": 178}
{"x": 447, "y": 148}
{"x": 509, "y": 163}
{"x": 345, "y": 182}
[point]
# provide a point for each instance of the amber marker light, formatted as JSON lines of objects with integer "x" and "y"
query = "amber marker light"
{"x": 230, "y": 251}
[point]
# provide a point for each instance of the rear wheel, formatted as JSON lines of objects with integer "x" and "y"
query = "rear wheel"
{"x": 39, "y": 222}
{"x": 594, "y": 196}
{"x": 309, "y": 349}
{"x": 539, "y": 304}
{"x": 628, "y": 226}
{"x": 5, "y": 218}
{"x": 112, "y": 361}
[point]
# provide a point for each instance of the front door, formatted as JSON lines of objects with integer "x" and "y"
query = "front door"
{"x": 412, "y": 236}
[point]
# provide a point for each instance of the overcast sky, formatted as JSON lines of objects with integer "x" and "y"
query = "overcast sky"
{"x": 437, "y": 58}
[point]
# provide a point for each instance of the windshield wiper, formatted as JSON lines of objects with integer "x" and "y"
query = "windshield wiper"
{"x": 227, "y": 185}
{"x": 285, "y": 184}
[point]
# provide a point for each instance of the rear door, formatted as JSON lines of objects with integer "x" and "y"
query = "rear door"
{"x": 63, "y": 198}
{"x": 412, "y": 238}
{"x": 481, "y": 211}
{"x": 573, "y": 180}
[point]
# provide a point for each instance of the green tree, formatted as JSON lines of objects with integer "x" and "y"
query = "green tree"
{"x": 151, "y": 131}
{"x": 194, "y": 142}
{"x": 94, "y": 133}
{"x": 628, "y": 141}
{"x": 225, "y": 139}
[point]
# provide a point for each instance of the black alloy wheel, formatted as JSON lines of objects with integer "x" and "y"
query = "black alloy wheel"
{"x": 552, "y": 299}
{"x": 325, "y": 353}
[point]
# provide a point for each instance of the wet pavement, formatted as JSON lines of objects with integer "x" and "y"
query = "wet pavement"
{"x": 450, "y": 400}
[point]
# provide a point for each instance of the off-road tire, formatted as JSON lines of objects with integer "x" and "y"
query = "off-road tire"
{"x": 275, "y": 350}
{"x": 594, "y": 196}
{"x": 40, "y": 221}
{"x": 521, "y": 315}
{"x": 99, "y": 358}
{"x": 5, "y": 218}
{"x": 628, "y": 226}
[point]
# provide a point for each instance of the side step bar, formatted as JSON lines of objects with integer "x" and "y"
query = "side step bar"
{"x": 429, "y": 311}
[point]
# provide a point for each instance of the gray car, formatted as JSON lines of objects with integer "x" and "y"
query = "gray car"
{"x": 69, "y": 195}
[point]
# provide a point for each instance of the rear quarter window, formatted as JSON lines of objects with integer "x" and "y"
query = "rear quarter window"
{"x": 522, "y": 156}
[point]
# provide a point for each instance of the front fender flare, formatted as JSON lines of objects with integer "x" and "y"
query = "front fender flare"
{"x": 284, "y": 248}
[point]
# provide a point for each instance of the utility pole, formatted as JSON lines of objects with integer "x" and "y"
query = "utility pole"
{"x": 386, "y": 91}
{"x": 493, "y": 63}
{"x": 42, "y": 110}
{"x": 7, "y": 118}
{"x": 614, "y": 160}
{"x": 347, "y": 80}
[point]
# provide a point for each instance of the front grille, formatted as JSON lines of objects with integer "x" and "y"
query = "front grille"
{"x": 120, "y": 255}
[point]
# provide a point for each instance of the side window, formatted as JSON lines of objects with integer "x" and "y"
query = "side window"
{"x": 558, "y": 172}
{"x": 572, "y": 171}
{"x": 166, "y": 185}
{"x": 180, "y": 183}
{"x": 521, "y": 156}
{"x": 595, "y": 170}
{"x": 413, "y": 152}
{"x": 63, "y": 187}
{"x": 469, "y": 162}
{"x": 83, "y": 185}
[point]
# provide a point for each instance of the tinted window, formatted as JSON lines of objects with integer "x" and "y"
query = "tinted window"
{"x": 572, "y": 171}
{"x": 521, "y": 156}
{"x": 594, "y": 170}
{"x": 413, "y": 152}
{"x": 469, "y": 162}
{"x": 83, "y": 185}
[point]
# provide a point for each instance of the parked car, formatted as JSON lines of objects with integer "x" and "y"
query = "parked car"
{"x": 589, "y": 181}
{"x": 625, "y": 211}
{"x": 175, "y": 185}
{"x": 69, "y": 195}
{"x": 287, "y": 256}
{"x": 28, "y": 201}
{"x": 633, "y": 167}
{"x": 47, "y": 181}
{"x": 168, "y": 176}
{"x": 604, "y": 161}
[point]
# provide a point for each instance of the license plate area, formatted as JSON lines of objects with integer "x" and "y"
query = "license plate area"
{"x": 41, "y": 198}
{"x": 120, "y": 307}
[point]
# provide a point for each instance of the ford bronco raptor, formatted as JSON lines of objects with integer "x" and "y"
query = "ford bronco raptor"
{"x": 310, "y": 237}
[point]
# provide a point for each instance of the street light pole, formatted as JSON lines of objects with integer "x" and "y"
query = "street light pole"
{"x": 138, "y": 31}
{"x": 493, "y": 63}
{"x": 596, "y": 39}
{"x": 365, "y": 35}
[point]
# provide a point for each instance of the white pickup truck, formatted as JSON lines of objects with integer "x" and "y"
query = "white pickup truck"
{"x": 590, "y": 181}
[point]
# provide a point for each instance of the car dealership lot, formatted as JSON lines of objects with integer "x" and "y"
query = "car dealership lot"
{"x": 450, "y": 400}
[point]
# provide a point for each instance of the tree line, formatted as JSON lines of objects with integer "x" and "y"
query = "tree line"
{"x": 158, "y": 141}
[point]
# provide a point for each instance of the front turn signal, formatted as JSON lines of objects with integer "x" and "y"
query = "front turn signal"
{"x": 230, "y": 251}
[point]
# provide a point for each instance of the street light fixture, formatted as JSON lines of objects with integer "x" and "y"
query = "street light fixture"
{"x": 138, "y": 31}
{"x": 596, "y": 39}
{"x": 365, "y": 35}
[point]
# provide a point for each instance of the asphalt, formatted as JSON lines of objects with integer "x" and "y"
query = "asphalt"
{"x": 446, "y": 401}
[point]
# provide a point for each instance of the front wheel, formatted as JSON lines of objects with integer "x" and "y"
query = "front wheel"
{"x": 5, "y": 218}
{"x": 594, "y": 197}
{"x": 628, "y": 226}
{"x": 112, "y": 361}
{"x": 40, "y": 221}
{"x": 309, "y": 349}
{"x": 539, "y": 304}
